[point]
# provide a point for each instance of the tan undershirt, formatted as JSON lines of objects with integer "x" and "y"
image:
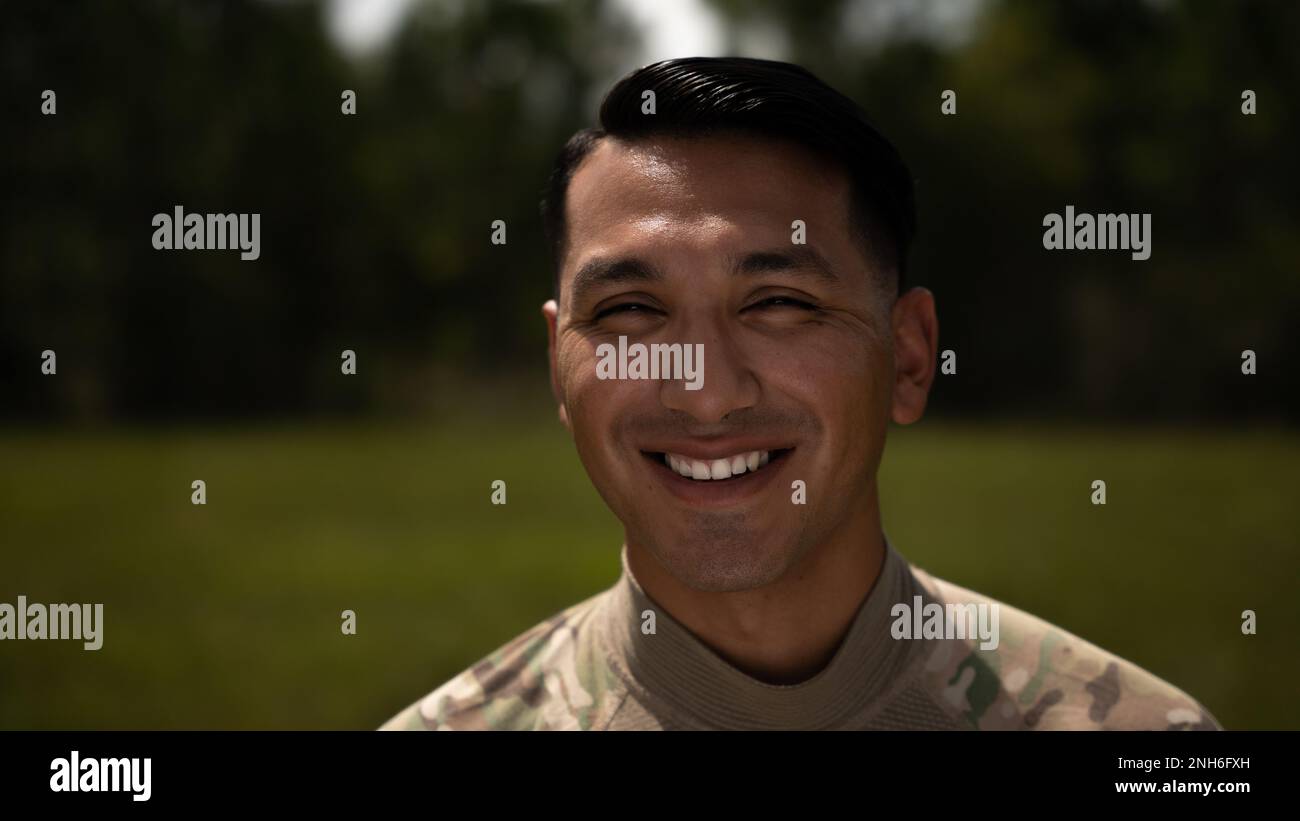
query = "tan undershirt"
{"x": 676, "y": 681}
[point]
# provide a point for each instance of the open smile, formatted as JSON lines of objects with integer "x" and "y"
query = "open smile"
{"x": 704, "y": 470}
{"x": 716, "y": 482}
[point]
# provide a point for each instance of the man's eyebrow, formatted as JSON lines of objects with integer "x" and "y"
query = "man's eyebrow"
{"x": 604, "y": 270}
{"x": 796, "y": 259}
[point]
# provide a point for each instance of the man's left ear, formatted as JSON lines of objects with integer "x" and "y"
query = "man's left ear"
{"x": 916, "y": 344}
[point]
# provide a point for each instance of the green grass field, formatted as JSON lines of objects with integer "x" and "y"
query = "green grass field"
{"x": 227, "y": 615}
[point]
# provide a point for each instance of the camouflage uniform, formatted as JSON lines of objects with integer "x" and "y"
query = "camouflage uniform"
{"x": 592, "y": 668}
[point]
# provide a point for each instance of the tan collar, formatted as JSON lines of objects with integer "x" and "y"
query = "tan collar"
{"x": 672, "y": 671}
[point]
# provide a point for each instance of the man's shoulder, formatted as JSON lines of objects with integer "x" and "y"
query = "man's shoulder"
{"x": 552, "y": 676}
{"x": 1039, "y": 676}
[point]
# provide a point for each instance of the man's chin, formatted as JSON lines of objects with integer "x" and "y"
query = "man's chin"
{"x": 722, "y": 559}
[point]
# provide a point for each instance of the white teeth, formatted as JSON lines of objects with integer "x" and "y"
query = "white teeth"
{"x": 680, "y": 465}
{"x": 717, "y": 469}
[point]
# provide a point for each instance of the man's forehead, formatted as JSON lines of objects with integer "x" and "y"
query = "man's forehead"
{"x": 706, "y": 180}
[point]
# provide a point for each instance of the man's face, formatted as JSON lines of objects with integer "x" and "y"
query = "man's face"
{"x": 689, "y": 240}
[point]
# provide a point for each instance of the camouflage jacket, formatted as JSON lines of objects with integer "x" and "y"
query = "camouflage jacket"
{"x": 594, "y": 667}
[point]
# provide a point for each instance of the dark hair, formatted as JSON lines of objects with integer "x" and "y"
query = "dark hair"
{"x": 702, "y": 95}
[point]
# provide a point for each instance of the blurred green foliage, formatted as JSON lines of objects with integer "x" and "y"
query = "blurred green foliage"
{"x": 376, "y": 227}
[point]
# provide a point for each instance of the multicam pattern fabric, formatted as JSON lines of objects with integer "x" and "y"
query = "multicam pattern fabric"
{"x": 591, "y": 668}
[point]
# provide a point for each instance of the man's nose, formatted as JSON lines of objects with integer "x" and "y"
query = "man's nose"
{"x": 727, "y": 380}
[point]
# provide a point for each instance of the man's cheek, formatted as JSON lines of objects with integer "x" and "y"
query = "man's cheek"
{"x": 571, "y": 364}
{"x": 584, "y": 394}
{"x": 593, "y": 408}
{"x": 827, "y": 370}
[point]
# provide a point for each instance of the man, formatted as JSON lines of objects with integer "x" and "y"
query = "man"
{"x": 746, "y": 207}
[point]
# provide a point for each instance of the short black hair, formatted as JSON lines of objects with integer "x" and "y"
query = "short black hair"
{"x": 697, "y": 96}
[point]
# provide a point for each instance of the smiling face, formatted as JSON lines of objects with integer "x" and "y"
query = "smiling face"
{"x": 689, "y": 240}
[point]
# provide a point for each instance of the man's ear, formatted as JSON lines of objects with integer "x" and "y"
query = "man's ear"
{"x": 916, "y": 345}
{"x": 551, "y": 310}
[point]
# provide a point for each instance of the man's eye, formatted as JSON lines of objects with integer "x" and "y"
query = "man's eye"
{"x": 783, "y": 302}
{"x": 625, "y": 308}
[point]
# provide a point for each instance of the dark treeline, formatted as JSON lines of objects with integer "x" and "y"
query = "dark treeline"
{"x": 375, "y": 228}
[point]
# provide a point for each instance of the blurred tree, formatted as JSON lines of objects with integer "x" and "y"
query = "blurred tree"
{"x": 376, "y": 226}
{"x": 1112, "y": 107}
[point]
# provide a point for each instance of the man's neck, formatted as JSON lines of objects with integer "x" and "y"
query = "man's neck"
{"x": 787, "y": 631}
